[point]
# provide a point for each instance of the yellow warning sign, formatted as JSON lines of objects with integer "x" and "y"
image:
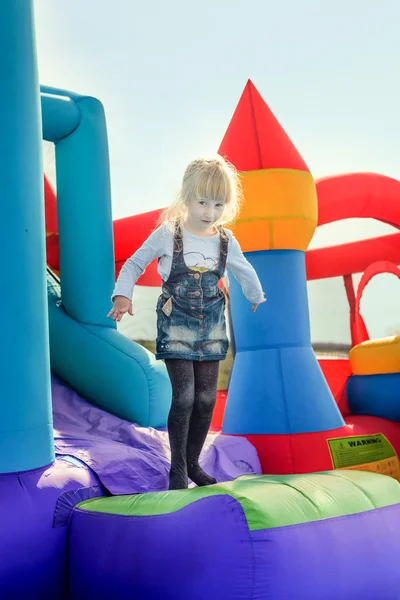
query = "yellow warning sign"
{"x": 365, "y": 453}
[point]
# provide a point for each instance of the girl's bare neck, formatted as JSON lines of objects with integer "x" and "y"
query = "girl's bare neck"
{"x": 200, "y": 233}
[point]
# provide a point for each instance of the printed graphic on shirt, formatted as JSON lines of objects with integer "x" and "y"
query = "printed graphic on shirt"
{"x": 196, "y": 261}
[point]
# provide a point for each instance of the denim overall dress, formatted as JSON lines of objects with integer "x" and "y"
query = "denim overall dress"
{"x": 191, "y": 309}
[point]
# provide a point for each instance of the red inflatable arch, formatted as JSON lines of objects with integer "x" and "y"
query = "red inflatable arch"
{"x": 376, "y": 268}
{"x": 356, "y": 195}
{"x": 367, "y": 195}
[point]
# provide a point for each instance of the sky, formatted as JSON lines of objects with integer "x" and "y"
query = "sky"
{"x": 170, "y": 74}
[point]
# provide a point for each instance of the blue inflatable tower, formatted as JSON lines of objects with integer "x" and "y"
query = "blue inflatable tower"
{"x": 26, "y": 434}
{"x": 277, "y": 386}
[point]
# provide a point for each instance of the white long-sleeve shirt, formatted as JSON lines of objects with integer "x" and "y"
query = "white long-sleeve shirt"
{"x": 200, "y": 254}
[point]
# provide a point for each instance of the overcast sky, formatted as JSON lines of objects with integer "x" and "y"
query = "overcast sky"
{"x": 170, "y": 75}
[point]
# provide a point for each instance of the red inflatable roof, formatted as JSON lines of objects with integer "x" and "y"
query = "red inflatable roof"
{"x": 255, "y": 139}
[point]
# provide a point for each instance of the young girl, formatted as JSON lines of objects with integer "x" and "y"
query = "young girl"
{"x": 193, "y": 251}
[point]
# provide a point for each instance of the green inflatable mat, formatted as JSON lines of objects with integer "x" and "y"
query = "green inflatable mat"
{"x": 269, "y": 501}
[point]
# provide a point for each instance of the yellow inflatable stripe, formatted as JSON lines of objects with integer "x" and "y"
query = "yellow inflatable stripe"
{"x": 286, "y": 233}
{"x": 272, "y": 219}
{"x": 287, "y": 200}
{"x": 376, "y": 357}
{"x": 292, "y": 234}
{"x": 278, "y": 193}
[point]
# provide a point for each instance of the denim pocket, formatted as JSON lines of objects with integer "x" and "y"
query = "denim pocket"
{"x": 167, "y": 307}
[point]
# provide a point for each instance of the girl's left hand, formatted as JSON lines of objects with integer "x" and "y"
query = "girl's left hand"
{"x": 225, "y": 288}
{"x": 255, "y": 306}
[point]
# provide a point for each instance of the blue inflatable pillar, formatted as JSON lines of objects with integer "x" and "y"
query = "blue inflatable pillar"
{"x": 86, "y": 349}
{"x": 26, "y": 434}
{"x": 77, "y": 126}
{"x": 277, "y": 386}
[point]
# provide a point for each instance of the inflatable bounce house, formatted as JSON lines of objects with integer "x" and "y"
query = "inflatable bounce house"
{"x": 307, "y": 504}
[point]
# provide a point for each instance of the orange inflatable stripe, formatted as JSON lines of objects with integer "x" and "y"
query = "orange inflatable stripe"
{"x": 280, "y": 210}
{"x": 292, "y": 234}
{"x": 274, "y": 234}
{"x": 278, "y": 193}
{"x": 376, "y": 357}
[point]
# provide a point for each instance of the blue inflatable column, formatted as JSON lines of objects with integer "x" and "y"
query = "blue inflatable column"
{"x": 26, "y": 434}
{"x": 84, "y": 217}
{"x": 277, "y": 386}
{"x": 87, "y": 351}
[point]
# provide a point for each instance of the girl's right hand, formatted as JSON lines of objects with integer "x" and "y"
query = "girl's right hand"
{"x": 255, "y": 306}
{"x": 121, "y": 306}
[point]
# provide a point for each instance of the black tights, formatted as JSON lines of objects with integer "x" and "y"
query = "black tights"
{"x": 194, "y": 387}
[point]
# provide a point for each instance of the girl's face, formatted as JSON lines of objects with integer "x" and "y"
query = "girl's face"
{"x": 202, "y": 214}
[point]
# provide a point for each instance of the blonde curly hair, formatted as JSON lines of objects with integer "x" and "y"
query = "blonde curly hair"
{"x": 211, "y": 178}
